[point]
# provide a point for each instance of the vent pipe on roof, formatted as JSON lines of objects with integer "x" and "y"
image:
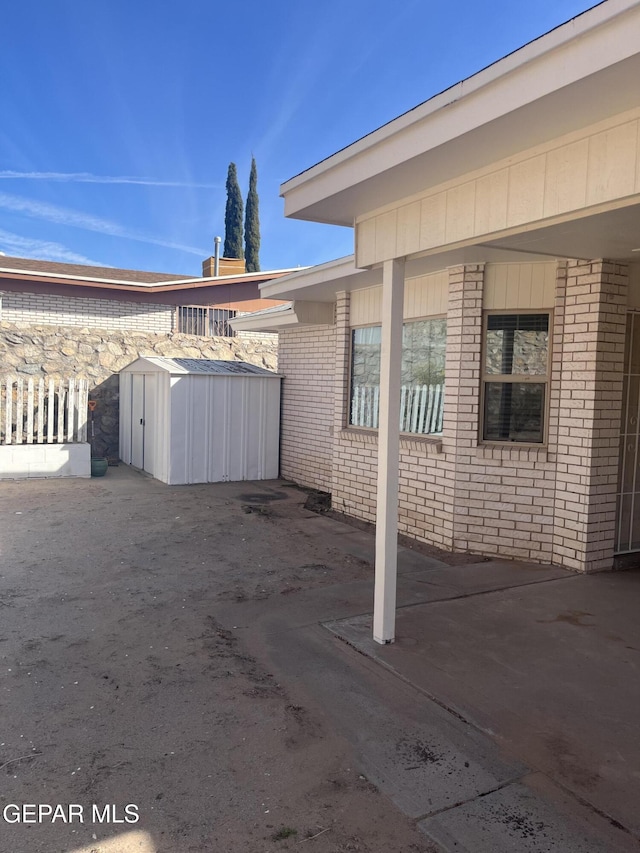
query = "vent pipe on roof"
{"x": 216, "y": 256}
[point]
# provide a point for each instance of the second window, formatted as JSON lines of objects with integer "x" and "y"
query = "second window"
{"x": 422, "y": 392}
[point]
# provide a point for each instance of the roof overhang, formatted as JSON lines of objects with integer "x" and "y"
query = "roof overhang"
{"x": 322, "y": 283}
{"x": 580, "y": 73}
{"x": 297, "y": 313}
{"x": 14, "y": 274}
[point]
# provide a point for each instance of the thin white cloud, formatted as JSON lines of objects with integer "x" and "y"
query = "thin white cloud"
{"x": 86, "y": 221}
{"x": 44, "y": 250}
{"x": 88, "y": 178}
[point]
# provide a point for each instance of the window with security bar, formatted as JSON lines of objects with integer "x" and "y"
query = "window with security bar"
{"x": 516, "y": 377}
{"x": 422, "y": 391}
{"x": 204, "y": 321}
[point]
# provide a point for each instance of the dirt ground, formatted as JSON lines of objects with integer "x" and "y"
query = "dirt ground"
{"x": 119, "y": 687}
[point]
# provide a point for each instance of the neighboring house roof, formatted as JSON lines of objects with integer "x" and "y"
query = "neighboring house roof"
{"x": 22, "y": 274}
{"x": 85, "y": 271}
{"x": 79, "y": 274}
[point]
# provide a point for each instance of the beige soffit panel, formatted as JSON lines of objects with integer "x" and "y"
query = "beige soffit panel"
{"x": 519, "y": 286}
{"x": 424, "y": 296}
{"x": 599, "y": 165}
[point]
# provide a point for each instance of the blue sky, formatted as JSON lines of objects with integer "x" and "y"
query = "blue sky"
{"x": 120, "y": 118}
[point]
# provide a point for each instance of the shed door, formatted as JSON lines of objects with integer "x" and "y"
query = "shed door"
{"x": 137, "y": 420}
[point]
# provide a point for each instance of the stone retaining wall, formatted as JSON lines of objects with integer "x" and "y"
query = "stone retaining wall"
{"x": 99, "y": 354}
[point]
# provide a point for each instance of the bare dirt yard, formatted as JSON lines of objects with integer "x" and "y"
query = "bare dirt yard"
{"x": 119, "y": 687}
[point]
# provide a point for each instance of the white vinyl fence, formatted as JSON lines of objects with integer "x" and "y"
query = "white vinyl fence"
{"x": 421, "y": 408}
{"x": 43, "y": 411}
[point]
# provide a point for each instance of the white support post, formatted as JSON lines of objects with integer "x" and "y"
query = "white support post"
{"x": 384, "y": 608}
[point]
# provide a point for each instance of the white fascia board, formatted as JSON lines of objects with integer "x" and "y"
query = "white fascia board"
{"x": 224, "y": 279}
{"x": 590, "y": 43}
{"x": 296, "y": 314}
{"x": 334, "y": 276}
{"x": 66, "y": 276}
{"x": 264, "y": 321}
{"x": 145, "y": 285}
{"x": 143, "y": 362}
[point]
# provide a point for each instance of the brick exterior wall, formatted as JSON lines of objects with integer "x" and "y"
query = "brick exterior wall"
{"x": 462, "y": 405}
{"x": 503, "y": 493}
{"x": 553, "y": 503}
{"x": 425, "y": 498}
{"x": 589, "y": 413}
{"x": 31, "y": 309}
{"x": 308, "y": 367}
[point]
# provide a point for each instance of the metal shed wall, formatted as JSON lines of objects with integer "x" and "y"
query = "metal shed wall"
{"x": 224, "y": 428}
{"x": 199, "y": 427}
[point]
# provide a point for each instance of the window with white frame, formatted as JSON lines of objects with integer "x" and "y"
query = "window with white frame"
{"x": 516, "y": 377}
{"x": 422, "y": 392}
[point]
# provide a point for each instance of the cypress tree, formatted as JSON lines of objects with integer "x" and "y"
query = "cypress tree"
{"x": 252, "y": 223}
{"x": 233, "y": 216}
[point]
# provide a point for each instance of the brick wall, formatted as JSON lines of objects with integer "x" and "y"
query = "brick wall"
{"x": 425, "y": 497}
{"x": 27, "y": 309}
{"x": 589, "y": 412}
{"x": 553, "y": 503}
{"x": 503, "y": 493}
{"x": 306, "y": 360}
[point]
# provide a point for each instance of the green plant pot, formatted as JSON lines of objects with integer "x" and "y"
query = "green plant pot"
{"x": 99, "y": 466}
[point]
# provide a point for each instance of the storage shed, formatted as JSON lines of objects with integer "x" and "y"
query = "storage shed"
{"x": 189, "y": 420}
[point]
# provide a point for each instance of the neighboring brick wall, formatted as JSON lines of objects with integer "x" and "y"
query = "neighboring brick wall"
{"x": 306, "y": 359}
{"x": 258, "y": 336}
{"x": 32, "y": 309}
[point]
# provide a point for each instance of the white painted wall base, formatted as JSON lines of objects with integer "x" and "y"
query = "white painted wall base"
{"x": 22, "y": 461}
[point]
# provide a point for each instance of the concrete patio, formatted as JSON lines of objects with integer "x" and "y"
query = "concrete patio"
{"x": 527, "y": 739}
{"x": 205, "y": 652}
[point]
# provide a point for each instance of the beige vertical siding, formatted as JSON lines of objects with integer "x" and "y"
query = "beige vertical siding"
{"x": 519, "y": 286}
{"x": 366, "y": 306}
{"x": 599, "y": 165}
{"x": 425, "y": 296}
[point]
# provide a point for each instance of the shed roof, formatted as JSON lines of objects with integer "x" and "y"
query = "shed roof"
{"x": 197, "y": 366}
